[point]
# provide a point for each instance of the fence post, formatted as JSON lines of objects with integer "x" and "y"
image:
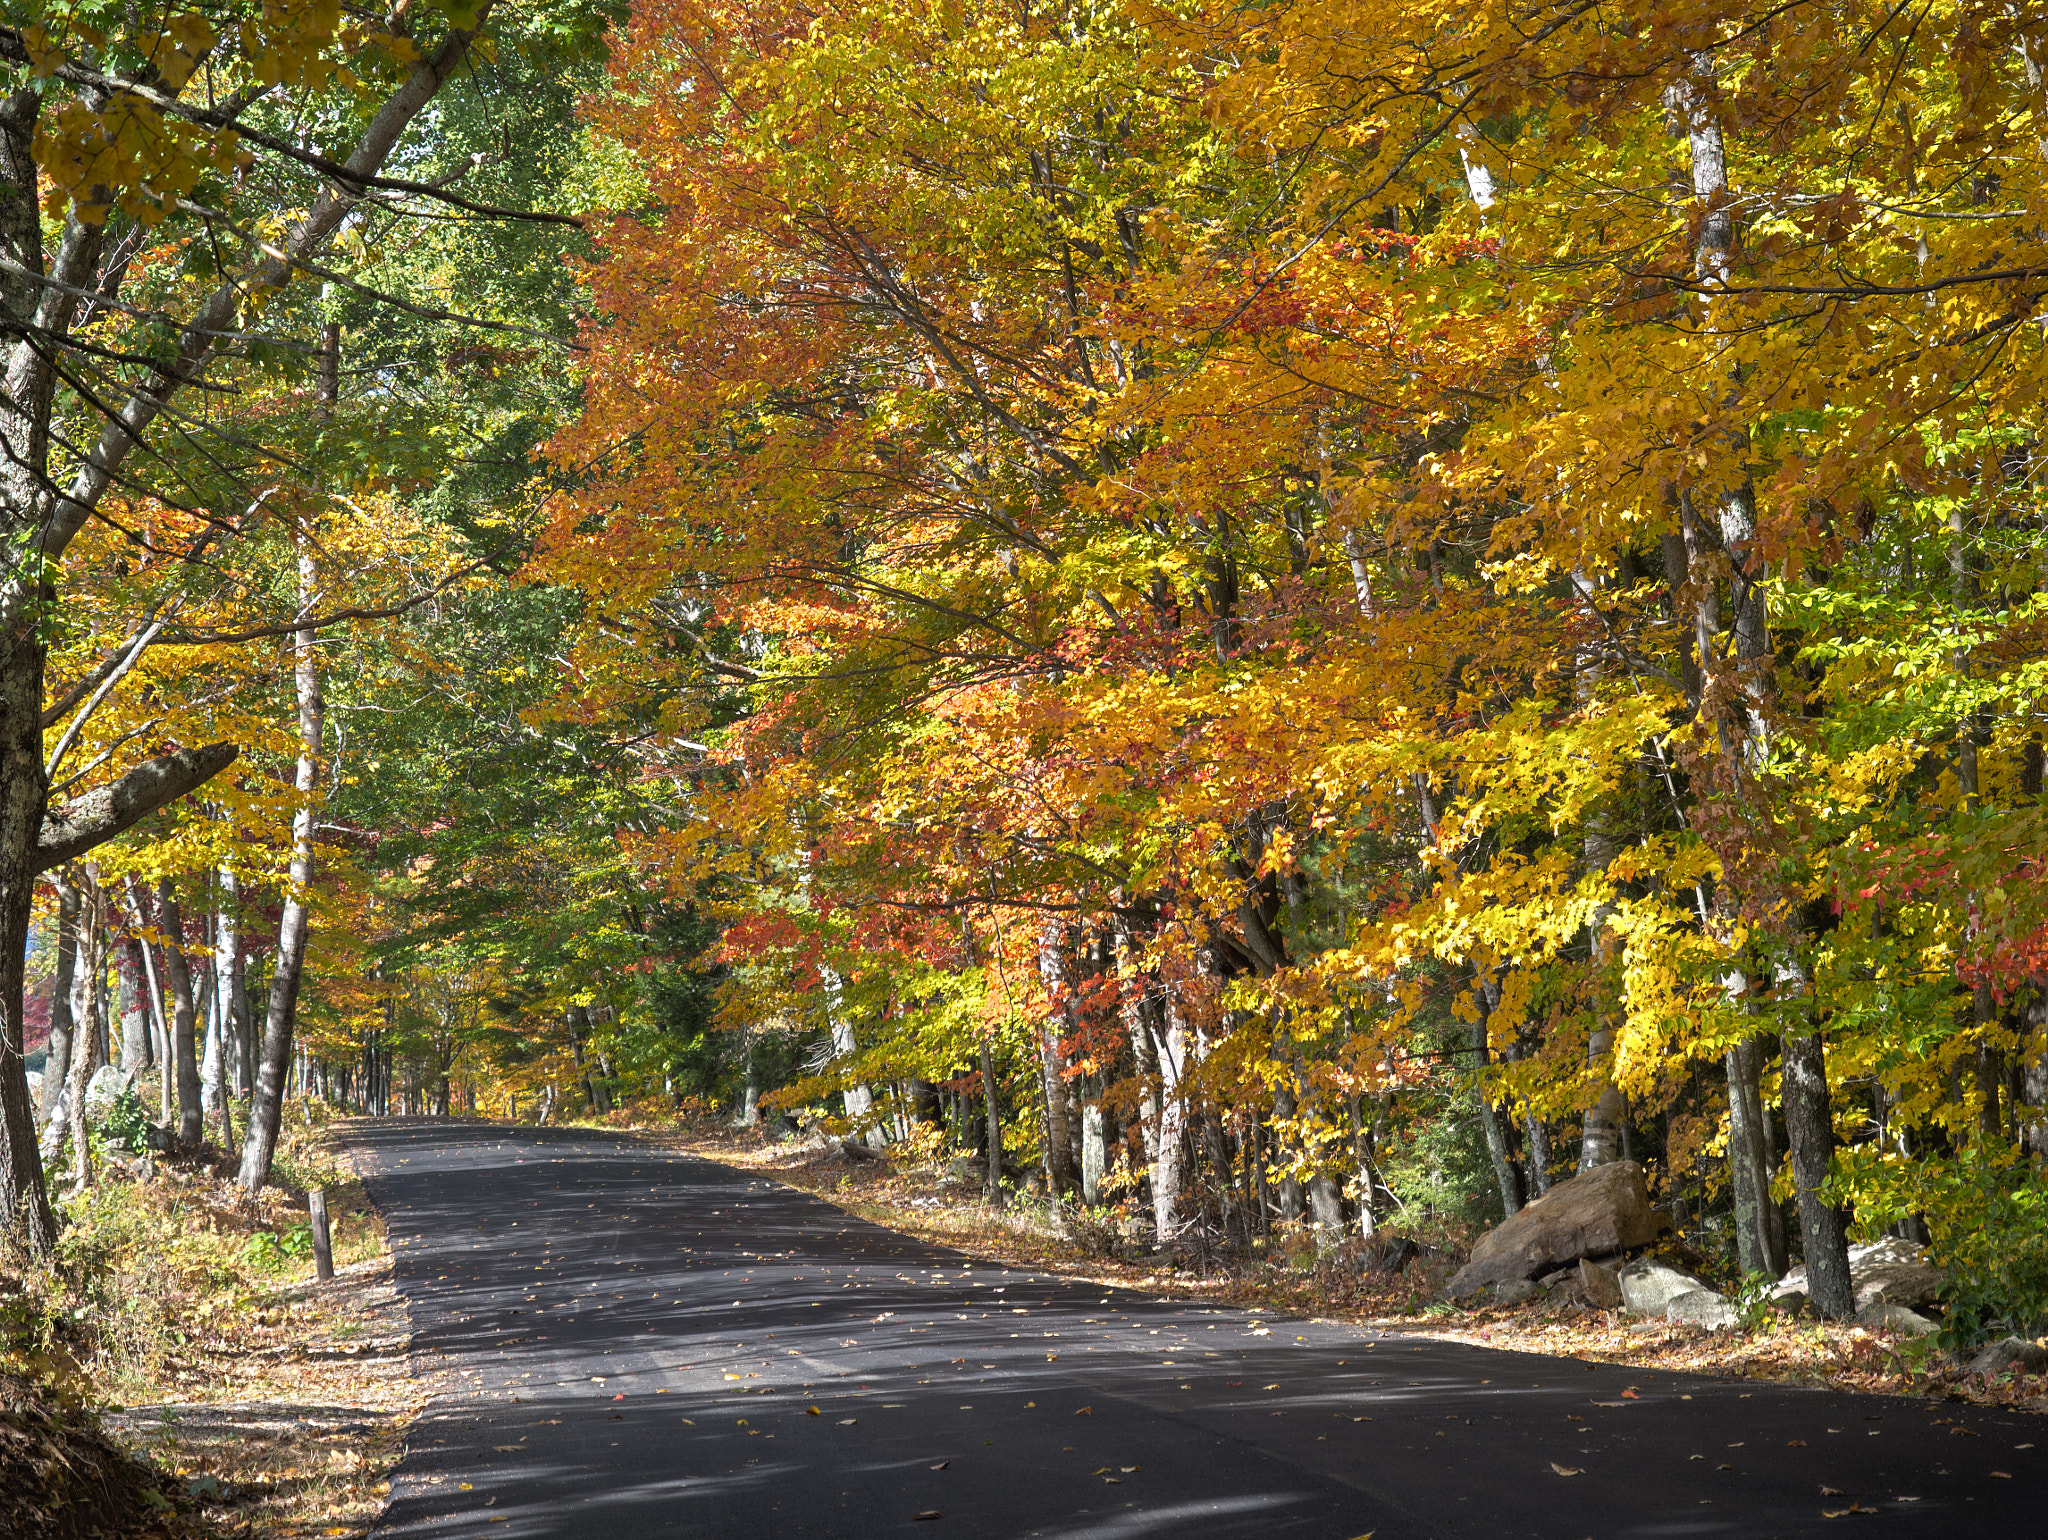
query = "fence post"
{"x": 323, "y": 1246}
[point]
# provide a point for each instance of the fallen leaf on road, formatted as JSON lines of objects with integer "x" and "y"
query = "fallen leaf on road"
{"x": 1128, "y": 1470}
{"x": 847, "y": 1422}
{"x": 1361, "y": 1419}
{"x": 1843, "y": 1513}
{"x": 1566, "y": 1470}
{"x": 1269, "y": 1387}
{"x": 1630, "y": 1394}
{"x": 1832, "y": 1492}
{"x": 620, "y": 1396}
{"x": 506, "y": 1448}
{"x": 1795, "y": 1443}
{"x": 812, "y": 1411}
{"x": 1234, "y": 1384}
{"x": 1084, "y": 1411}
{"x": 942, "y": 1465}
{"x": 929, "y": 1513}
{"x": 2001, "y": 1475}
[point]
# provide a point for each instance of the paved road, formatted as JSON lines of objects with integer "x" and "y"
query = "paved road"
{"x": 653, "y": 1345}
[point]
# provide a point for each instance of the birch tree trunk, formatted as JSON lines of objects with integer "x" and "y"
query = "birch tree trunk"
{"x": 266, "y": 1107}
{"x": 1055, "y": 970}
{"x": 136, "y": 1056}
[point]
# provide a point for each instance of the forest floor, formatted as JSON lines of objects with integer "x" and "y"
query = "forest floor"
{"x": 183, "y": 1326}
{"x": 1291, "y": 1276}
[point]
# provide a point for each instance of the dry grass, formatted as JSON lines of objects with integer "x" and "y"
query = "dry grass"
{"x": 188, "y": 1315}
{"x": 1289, "y": 1274}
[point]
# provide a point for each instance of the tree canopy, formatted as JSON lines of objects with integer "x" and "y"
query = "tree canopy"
{"x": 1245, "y": 602}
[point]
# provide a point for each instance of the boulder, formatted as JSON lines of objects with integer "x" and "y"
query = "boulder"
{"x": 105, "y": 1087}
{"x": 1896, "y": 1318}
{"x": 1387, "y": 1254}
{"x": 1648, "y": 1286}
{"x": 2011, "y": 1353}
{"x": 1514, "y": 1291}
{"x": 1598, "y": 1211}
{"x": 1703, "y": 1308}
{"x": 1600, "y": 1285}
{"x": 1793, "y": 1302}
{"x": 1881, "y": 1272}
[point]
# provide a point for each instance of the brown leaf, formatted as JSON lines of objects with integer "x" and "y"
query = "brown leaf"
{"x": 1566, "y": 1470}
{"x": 942, "y": 1465}
{"x": 2001, "y": 1475}
{"x": 1795, "y": 1443}
{"x": 929, "y": 1513}
{"x": 1831, "y": 1492}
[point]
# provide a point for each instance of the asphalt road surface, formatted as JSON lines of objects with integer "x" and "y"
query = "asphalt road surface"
{"x": 646, "y": 1344}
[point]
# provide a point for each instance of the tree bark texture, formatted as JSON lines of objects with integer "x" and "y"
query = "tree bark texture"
{"x": 1759, "y": 1243}
{"x": 1810, "y": 1127}
{"x": 184, "y": 1062}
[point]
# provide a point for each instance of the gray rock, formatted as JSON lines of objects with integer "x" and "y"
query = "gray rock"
{"x": 1598, "y": 1211}
{"x": 2011, "y": 1353}
{"x": 1896, "y": 1283}
{"x": 1514, "y": 1291}
{"x": 107, "y": 1083}
{"x": 1794, "y": 1303}
{"x": 1600, "y": 1285}
{"x": 1883, "y": 1317}
{"x": 1648, "y": 1286}
{"x": 1703, "y": 1308}
{"x": 1882, "y": 1272}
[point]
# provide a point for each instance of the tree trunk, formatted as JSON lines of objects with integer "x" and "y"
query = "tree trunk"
{"x": 1812, "y": 1134}
{"x": 1060, "y": 1176}
{"x": 57, "y": 1051}
{"x": 1485, "y": 997}
{"x": 136, "y": 1056}
{"x": 227, "y": 972}
{"x": 266, "y": 1107}
{"x": 1172, "y": 1050}
{"x": 24, "y": 786}
{"x": 86, "y": 1042}
{"x": 995, "y": 1122}
{"x": 1759, "y": 1244}
{"x": 191, "y": 1118}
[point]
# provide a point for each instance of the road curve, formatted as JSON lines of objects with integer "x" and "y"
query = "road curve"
{"x": 647, "y": 1344}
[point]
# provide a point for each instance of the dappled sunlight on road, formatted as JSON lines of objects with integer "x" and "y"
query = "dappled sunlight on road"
{"x": 643, "y": 1343}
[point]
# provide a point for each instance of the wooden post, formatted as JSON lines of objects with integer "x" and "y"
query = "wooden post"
{"x": 323, "y": 1245}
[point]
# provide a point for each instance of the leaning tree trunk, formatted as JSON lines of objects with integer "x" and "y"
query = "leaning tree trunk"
{"x": 266, "y": 1107}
